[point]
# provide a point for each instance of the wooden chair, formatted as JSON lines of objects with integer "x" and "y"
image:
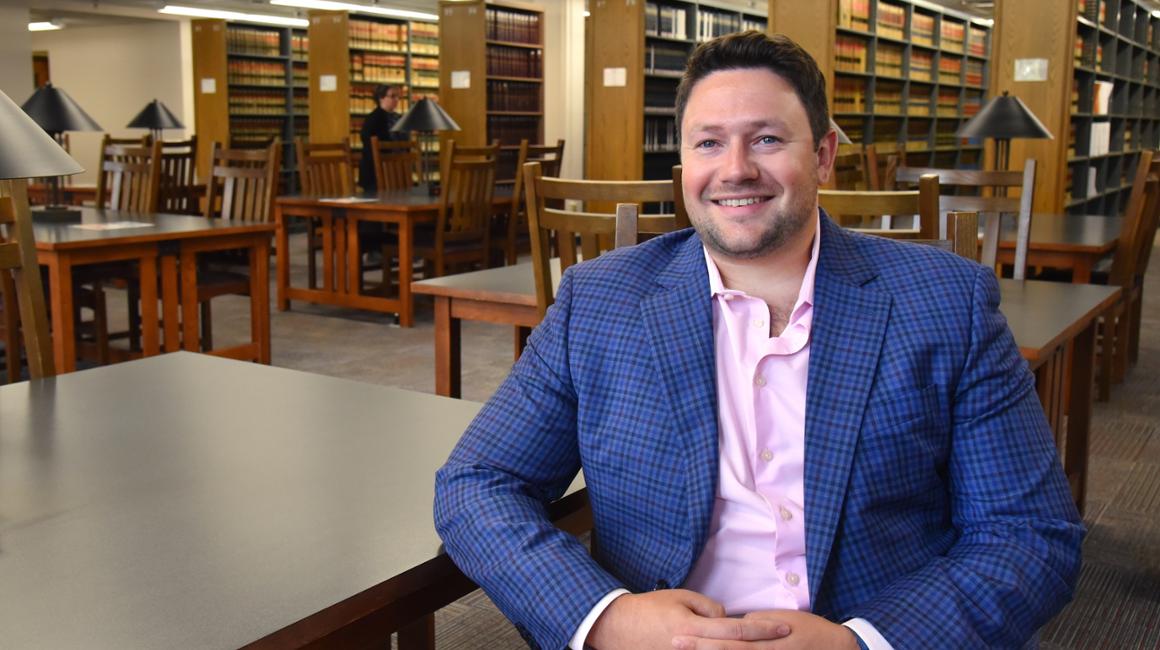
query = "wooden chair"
{"x": 396, "y": 163}
{"x": 922, "y": 202}
{"x": 132, "y": 177}
{"x": 1146, "y": 238}
{"x": 106, "y": 154}
{"x": 179, "y": 193}
{"x": 21, "y": 286}
{"x": 960, "y": 235}
{"x": 462, "y": 232}
{"x": 324, "y": 169}
{"x": 579, "y": 234}
{"x": 241, "y": 187}
{"x": 991, "y": 208}
{"x": 515, "y": 227}
{"x": 856, "y": 168}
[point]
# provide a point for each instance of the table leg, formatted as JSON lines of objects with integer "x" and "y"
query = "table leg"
{"x": 353, "y": 263}
{"x": 260, "y": 297}
{"x": 190, "y": 335}
{"x": 447, "y": 349}
{"x": 419, "y": 635}
{"x": 407, "y": 307}
{"x": 283, "y": 252}
{"x": 328, "y": 244}
{"x": 1075, "y": 461}
{"x": 1081, "y": 273}
{"x": 150, "y": 325}
{"x": 63, "y": 328}
{"x": 170, "y": 303}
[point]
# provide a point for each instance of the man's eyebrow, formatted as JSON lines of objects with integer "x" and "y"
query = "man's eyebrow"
{"x": 756, "y": 125}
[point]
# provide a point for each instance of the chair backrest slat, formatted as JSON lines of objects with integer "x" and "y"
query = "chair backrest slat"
{"x": 133, "y": 177}
{"x": 1139, "y": 226}
{"x": 324, "y": 168}
{"x": 243, "y": 183}
{"x": 104, "y": 178}
{"x": 395, "y": 163}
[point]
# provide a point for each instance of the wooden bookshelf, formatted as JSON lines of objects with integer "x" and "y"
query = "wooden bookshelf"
{"x": 492, "y": 74}
{"x": 901, "y": 74}
{"x": 350, "y": 54}
{"x": 1093, "y": 48}
{"x": 635, "y": 56}
{"x": 250, "y": 87}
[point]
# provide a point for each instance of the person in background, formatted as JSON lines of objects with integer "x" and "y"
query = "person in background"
{"x": 379, "y": 123}
{"x": 792, "y": 435}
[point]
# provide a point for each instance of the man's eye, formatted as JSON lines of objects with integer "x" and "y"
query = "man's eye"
{"x": 706, "y": 144}
{"x": 769, "y": 139}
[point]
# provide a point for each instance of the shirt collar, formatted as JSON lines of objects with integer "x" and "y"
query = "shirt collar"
{"x": 805, "y": 297}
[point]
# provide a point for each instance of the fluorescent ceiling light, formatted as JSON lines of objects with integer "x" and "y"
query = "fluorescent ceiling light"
{"x": 194, "y": 12}
{"x": 350, "y": 6}
{"x": 45, "y": 26}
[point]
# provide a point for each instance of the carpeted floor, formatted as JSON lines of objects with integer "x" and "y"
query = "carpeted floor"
{"x": 1117, "y": 604}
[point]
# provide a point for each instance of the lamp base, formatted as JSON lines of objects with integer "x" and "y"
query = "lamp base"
{"x": 56, "y": 214}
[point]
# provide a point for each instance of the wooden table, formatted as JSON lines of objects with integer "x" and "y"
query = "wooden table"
{"x": 1063, "y": 241}
{"x": 167, "y": 241}
{"x": 341, "y": 264}
{"x": 187, "y": 501}
{"x": 1054, "y": 325}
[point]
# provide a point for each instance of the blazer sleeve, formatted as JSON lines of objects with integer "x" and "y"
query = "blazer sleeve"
{"x": 1017, "y": 557}
{"x": 520, "y": 453}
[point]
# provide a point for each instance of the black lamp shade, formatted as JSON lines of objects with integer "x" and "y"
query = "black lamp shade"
{"x": 56, "y": 112}
{"x": 27, "y": 151}
{"x": 155, "y": 116}
{"x": 1005, "y": 118}
{"x": 842, "y": 137}
{"x": 425, "y": 115}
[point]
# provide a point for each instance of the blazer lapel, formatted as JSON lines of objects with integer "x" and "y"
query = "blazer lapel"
{"x": 848, "y": 329}
{"x": 679, "y": 322}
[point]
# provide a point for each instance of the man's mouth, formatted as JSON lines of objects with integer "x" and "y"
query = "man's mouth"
{"x": 740, "y": 202}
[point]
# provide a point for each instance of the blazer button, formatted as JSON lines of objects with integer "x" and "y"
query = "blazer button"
{"x": 661, "y": 584}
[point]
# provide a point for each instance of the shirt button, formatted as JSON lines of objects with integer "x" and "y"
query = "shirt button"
{"x": 759, "y": 380}
{"x": 757, "y": 322}
{"x": 786, "y": 515}
{"x": 766, "y": 455}
{"x": 793, "y": 579}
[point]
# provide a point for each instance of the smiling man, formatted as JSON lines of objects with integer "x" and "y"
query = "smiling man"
{"x": 792, "y": 436}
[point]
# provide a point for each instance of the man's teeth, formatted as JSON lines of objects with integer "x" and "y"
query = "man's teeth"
{"x": 737, "y": 203}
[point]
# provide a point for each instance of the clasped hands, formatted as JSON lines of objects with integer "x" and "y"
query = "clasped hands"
{"x": 686, "y": 620}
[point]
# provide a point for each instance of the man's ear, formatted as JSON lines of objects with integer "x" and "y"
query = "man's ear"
{"x": 827, "y": 151}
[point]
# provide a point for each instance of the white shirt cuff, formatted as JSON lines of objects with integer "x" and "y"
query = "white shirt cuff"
{"x": 868, "y": 633}
{"x": 578, "y": 639}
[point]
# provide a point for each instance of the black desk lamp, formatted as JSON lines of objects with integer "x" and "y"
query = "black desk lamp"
{"x": 28, "y": 152}
{"x": 426, "y": 117}
{"x": 56, "y": 113}
{"x": 155, "y": 117}
{"x": 1003, "y": 118}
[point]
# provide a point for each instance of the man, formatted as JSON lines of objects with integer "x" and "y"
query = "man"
{"x": 792, "y": 436}
{"x": 380, "y": 122}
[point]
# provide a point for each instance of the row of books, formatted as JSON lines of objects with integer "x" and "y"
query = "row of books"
{"x": 888, "y": 99}
{"x": 255, "y": 133}
{"x": 249, "y": 40}
{"x": 854, "y": 14}
{"x": 974, "y": 73}
{"x": 384, "y": 68}
{"x": 670, "y": 22}
{"x": 425, "y": 78}
{"x": 384, "y": 37}
{"x": 514, "y": 62}
{"x": 922, "y": 29}
{"x": 921, "y": 65}
{"x": 947, "y": 103}
{"x": 509, "y": 130}
{"x": 424, "y": 38}
{"x": 512, "y": 96}
{"x": 888, "y": 60}
{"x": 512, "y": 26}
{"x": 258, "y": 73}
{"x": 918, "y": 102}
{"x": 950, "y": 70}
{"x": 952, "y": 35}
{"x": 362, "y": 101}
{"x": 1094, "y": 10}
{"x": 660, "y": 134}
{"x": 663, "y": 57}
{"x": 850, "y": 54}
{"x": 299, "y": 44}
{"x": 976, "y": 42}
{"x": 849, "y": 95}
{"x": 891, "y": 20}
{"x": 711, "y": 24}
{"x": 257, "y": 102}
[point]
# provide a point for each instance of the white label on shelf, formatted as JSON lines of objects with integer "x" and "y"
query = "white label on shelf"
{"x": 461, "y": 79}
{"x": 1030, "y": 69}
{"x": 208, "y": 86}
{"x": 327, "y": 83}
{"x": 615, "y": 77}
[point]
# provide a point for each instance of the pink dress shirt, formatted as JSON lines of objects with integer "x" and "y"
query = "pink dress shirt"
{"x": 755, "y": 557}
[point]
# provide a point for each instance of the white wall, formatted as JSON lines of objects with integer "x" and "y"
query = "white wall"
{"x": 15, "y": 54}
{"x": 113, "y": 72}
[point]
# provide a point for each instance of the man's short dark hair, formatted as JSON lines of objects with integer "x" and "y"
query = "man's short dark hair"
{"x": 381, "y": 91}
{"x": 753, "y": 49}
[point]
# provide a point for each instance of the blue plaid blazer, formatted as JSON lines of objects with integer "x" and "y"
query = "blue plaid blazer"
{"x": 935, "y": 504}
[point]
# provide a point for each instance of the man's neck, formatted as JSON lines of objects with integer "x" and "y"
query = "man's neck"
{"x": 775, "y": 277}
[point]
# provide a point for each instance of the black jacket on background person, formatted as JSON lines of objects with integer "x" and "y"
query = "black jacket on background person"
{"x": 379, "y": 123}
